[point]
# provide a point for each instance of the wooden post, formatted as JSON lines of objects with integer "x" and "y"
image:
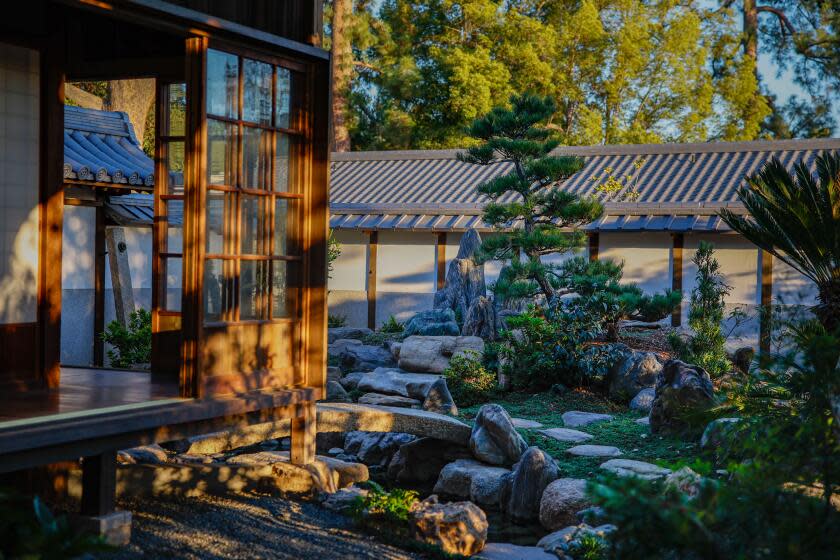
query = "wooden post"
{"x": 766, "y": 319}
{"x": 593, "y": 246}
{"x": 677, "y": 275}
{"x": 303, "y": 435}
{"x": 99, "y": 484}
{"x": 441, "y": 259}
{"x": 373, "y": 241}
{"x": 99, "y": 288}
{"x": 120, "y": 273}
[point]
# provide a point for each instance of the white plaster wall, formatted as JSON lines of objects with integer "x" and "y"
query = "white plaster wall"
{"x": 138, "y": 243}
{"x": 78, "y": 282}
{"x": 646, "y": 257}
{"x": 350, "y": 268}
{"x": 739, "y": 264}
{"x": 790, "y": 287}
{"x": 406, "y": 262}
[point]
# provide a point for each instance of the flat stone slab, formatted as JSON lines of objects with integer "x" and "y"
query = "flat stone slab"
{"x": 506, "y": 551}
{"x": 644, "y": 420}
{"x": 576, "y": 419}
{"x": 340, "y": 417}
{"x": 566, "y": 435}
{"x": 389, "y": 400}
{"x": 525, "y": 424}
{"x": 594, "y": 451}
{"x": 396, "y": 382}
{"x": 629, "y": 467}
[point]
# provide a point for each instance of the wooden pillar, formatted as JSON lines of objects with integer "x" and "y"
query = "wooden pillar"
{"x": 677, "y": 275}
{"x": 99, "y": 484}
{"x": 99, "y": 288}
{"x": 373, "y": 242}
{"x": 593, "y": 246}
{"x": 766, "y": 319}
{"x": 303, "y": 435}
{"x": 120, "y": 273}
{"x": 441, "y": 259}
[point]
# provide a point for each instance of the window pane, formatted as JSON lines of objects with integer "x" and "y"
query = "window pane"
{"x": 280, "y": 305}
{"x": 176, "y": 110}
{"x": 175, "y": 226}
{"x": 221, "y": 152}
{"x": 257, "y": 91}
{"x": 215, "y": 223}
{"x": 281, "y": 164}
{"x": 281, "y": 221}
{"x": 222, "y": 84}
{"x": 253, "y": 283}
{"x": 173, "y": 271}
{"x": 253, "y": 225}
{"x": 175, "y": 167}
{"x": 256, "y": 162}
{"x": 213, "y": 290}
{"x": 284, "y": 98}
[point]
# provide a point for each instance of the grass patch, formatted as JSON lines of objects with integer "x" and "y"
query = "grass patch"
{"x": 633, "y": 439}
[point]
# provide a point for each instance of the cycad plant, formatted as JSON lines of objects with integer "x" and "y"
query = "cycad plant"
{"x": 529, "y": 198}
{"x": 796, "y": 217}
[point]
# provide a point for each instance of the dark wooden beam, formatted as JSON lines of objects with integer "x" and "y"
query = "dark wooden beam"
{"x": 441, "y": 259}
{"x": 594, "y": 240}
{"x": 99, "y": 288}
{"x": 373, "y": 242}
{"x": 677, "y": 275}
{"x": 303, "y": 435}
{"x": 766, "y": 318}
{"x": 99, "y": 484}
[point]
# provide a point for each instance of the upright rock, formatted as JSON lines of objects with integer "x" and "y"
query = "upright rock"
{"x": 464, "y": 278}
{"x": 481, "y": 319}
{"x": 523, "y": 488}
{"x": 561, "y": 501}
{"x": 682, "y": 391}
{"x": 434, "y": 322}
{"x": 432, "y": 353}
{"x": 494, "y": 439}
{"x": 457, "y": 528}
{"x": 633, "y": 372}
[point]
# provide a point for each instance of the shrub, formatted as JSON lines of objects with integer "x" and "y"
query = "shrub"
{"x": 468, "y": 381}
{"x": 392, "y": 507}
{"x": 132, "y": 345}
{"x": 706, "y": 347}
{"x": 335, "y": 321}
{"x": 392, "y": 326}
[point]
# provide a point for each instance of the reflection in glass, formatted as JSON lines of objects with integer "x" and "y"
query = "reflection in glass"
{"x": 175, "y": 167}
{"x": 281, "y": 220}
{"x": 253, "y": 232}
{"x": 221, "y": 153}
{"x": 280, "y": 305}
{"x": 215, "y": 223}
{"x": 176, "y": 110}
{"x": 256, "y": 104}
{"x": 173, "y": 271}
{"x": 222, "y": 84}
{"x": 252, "y": 286}
{"x": 256, "y": 162}
{"x": 284, "y": 98}
{"x": 213, "y": 290}
{"x": 175, "y": 227}
{"x": 281, "y": 164}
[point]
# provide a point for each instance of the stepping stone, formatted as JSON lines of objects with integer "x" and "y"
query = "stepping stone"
{"x": 644, "y": 420}
{"x": 506, "y": 551}
{"x": 576, "y": 419}
{"x": 594, "y": 451}
{"x": 566, "y": 434}
{"x": 525, "y": 424}
{"x": 628, "y": 467}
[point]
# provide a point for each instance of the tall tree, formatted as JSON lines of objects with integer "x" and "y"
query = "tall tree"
{"x": 341, "y": 66}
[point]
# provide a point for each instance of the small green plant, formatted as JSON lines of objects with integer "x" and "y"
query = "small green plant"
{"x": 334, "y": 321}
{"x": 133, "y": 344}
{"x": 333, "y": 252}
{"x": 392, "y": 326}
{"x": 392, "y": 507}
{"x": 589, "y": 547}
{"x": 468, "y": 381}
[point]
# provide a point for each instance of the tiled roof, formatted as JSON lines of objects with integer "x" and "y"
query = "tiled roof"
{"x": 100, "y": 146}
{"x": 681, "y": 186}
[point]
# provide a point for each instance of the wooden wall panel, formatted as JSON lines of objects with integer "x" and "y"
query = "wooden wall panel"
{"x": 18, "y": 356}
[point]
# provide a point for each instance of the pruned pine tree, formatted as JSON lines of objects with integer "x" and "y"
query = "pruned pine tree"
{"x": 529, "y": 199}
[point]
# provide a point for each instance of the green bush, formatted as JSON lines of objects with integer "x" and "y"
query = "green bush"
{"x": 335, "y": 321}
{"x": 392, "y": 507}
{"x": 468, "y": 381}
{"x": 392, "y": 326}
{"x": 132, "y": 345}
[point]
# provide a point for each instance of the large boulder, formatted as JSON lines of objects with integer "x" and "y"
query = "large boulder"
{"x": 464, "y": 282}
{"x": 682, "y": 391}
{"x": 363, "y": 357}
{"x": 643, "y": 400}
{"x": 561, "y": 501}
{"x": 337, "y": 333}
{"x": 439, "y": 399}
{"x": 336, "y": 393}
{"x": 466, "y": 478}
{"x": 523, "y": 488}
{"x": 718, "y": 433}
{"x": 633, "y": 372}
{"x": 432, "y": 353}
{"x": 494, "y": 439}
{"x": 434, "y": 322}
{"x": 566, "y": 542}
{"x": 375, "y": 448}
{"x": 422, "y": 460}
{"x": 431, "y": 390}
{"x": 457, "y": 528}
{"x": 379, "y": 399}
{"x": 337, "y": 347}
{"x": 480, "y": 319}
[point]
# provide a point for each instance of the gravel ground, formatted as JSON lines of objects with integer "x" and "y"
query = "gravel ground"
{"x": 246, "y": 527}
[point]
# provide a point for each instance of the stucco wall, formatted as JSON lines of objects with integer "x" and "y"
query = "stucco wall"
{"x": 646, "y": 257}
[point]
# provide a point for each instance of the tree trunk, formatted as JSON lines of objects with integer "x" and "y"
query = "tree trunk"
{"x": 828, "y": 309}
{"x": 135, "y": 98}
{"x": 342, "y": 73}
{"x": 750, "y": 29}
